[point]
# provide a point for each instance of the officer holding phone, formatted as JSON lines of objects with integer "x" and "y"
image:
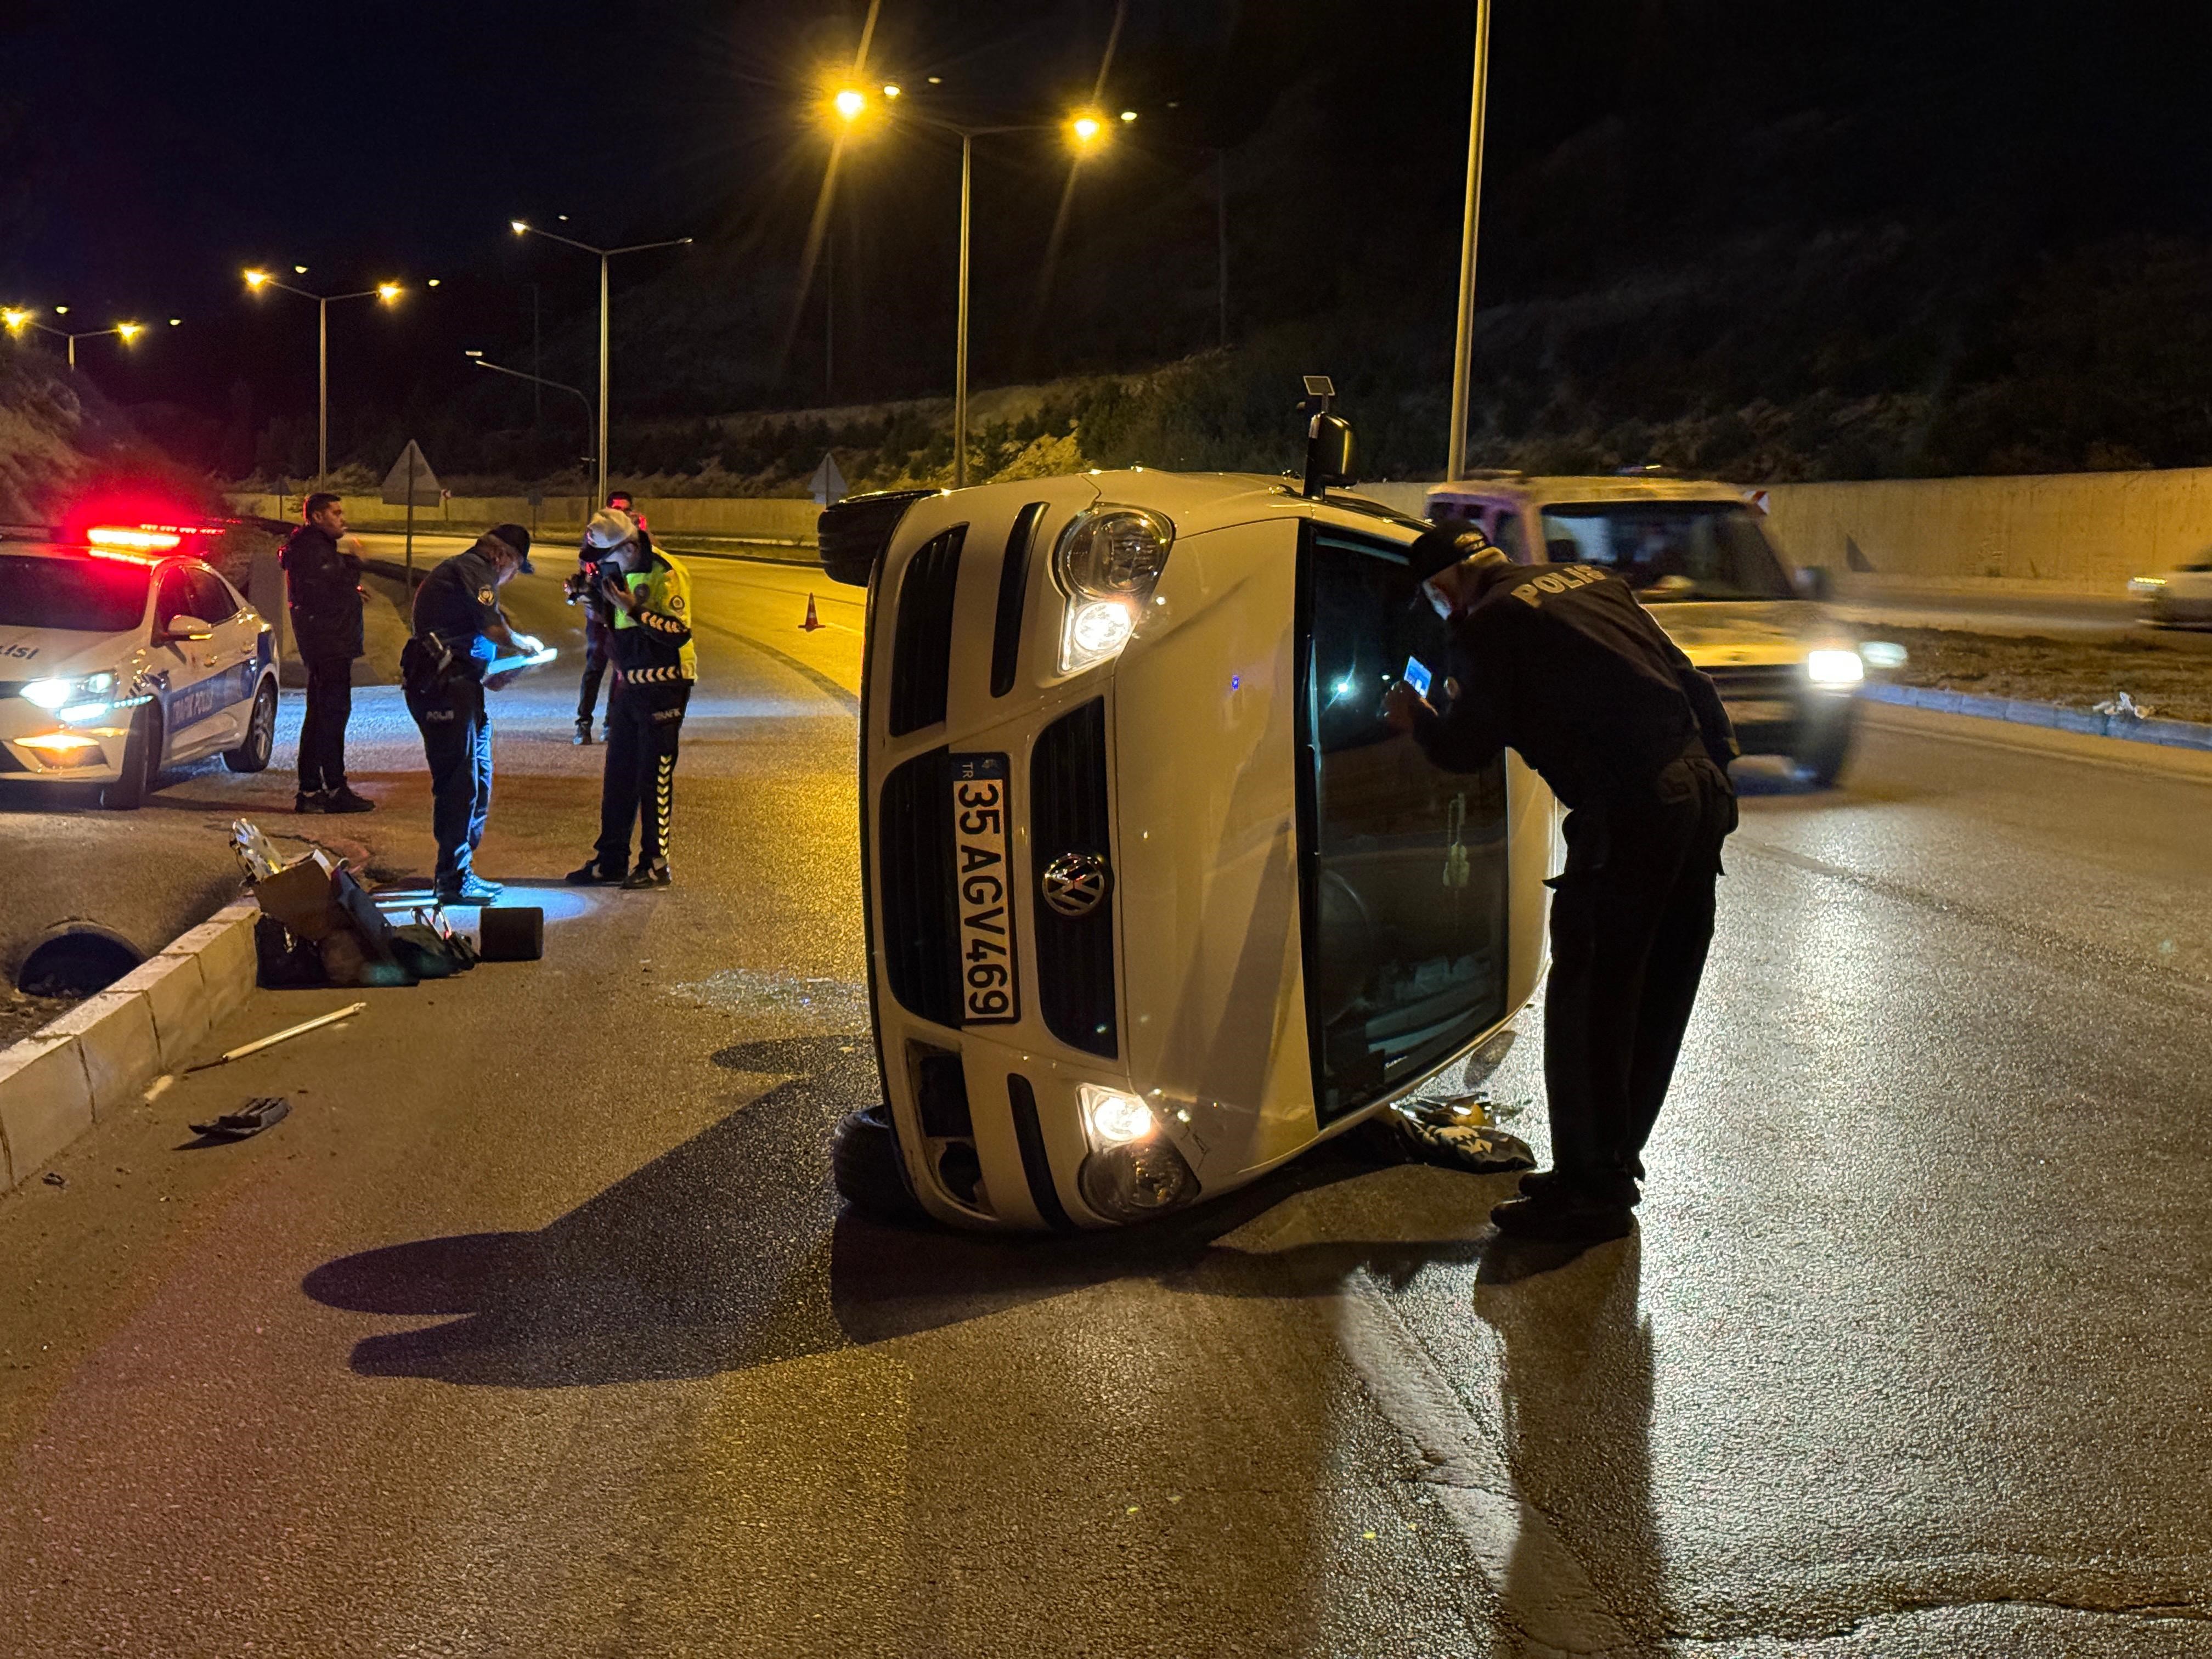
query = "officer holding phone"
{"x": 459, "y": 631}
{"x": 1561, "y": 664}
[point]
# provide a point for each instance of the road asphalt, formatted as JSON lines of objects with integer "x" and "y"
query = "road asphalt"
{"x": 535, "y": 1329}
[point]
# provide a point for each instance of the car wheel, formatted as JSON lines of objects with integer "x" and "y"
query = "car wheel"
{"x": 866, "y": 1168}
{"x": 1823, "y": 764}
{"x": 141, "y": 763}
{"x": 252, "y": 755}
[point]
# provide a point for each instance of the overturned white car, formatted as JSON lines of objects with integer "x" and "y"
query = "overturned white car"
{"x": 1155, "y": 899}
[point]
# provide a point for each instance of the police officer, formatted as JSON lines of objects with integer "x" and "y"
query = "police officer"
{"x": 648, "y": 598}
{"x": 459, "y": 629}
{"x": 322, "y": 581}
{"x": 1562, "y": 664}
{"x": 583, "y": 587}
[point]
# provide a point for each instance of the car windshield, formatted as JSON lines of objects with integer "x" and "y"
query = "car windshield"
{"x": 84, "y": 595}
{"x": 1670, "y": 551}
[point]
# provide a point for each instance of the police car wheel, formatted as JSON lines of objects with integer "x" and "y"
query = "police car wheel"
{"x": 252, "y": 755}
{"x": 141, "y": 763}
{"x": 864, "y": 1166}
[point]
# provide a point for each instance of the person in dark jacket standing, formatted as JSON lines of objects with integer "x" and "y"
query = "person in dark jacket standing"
{"x": 322, "y": 580}
{"x": 460, "y": 629}
{"x": 1563, "y": 664}
{"x": 648, "y": 601}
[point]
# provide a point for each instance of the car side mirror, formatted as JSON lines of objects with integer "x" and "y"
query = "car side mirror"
{"x": 185, "y": 630}
{"x": 1815, "y": 583}
{"x": 1332, "y": 455}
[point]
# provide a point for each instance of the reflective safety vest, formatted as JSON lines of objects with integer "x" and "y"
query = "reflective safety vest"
{"x": 655, "y": 645}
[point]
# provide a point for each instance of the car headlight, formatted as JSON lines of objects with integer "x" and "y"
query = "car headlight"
{"x": 52, "y": 694}
{"x": 1834, "y": 667}
{"x": 2146, "y": 588}
{"x": 1134, "y": 1171}
{"x": 1106, "y": 564}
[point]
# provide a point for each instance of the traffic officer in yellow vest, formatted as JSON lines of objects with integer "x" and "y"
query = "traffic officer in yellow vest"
{"x": 648, "y": 605}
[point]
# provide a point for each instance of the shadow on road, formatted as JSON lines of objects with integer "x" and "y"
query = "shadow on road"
{"x": 730, "y": 1251}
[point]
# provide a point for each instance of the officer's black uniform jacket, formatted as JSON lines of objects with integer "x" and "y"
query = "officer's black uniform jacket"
{"x": 457, "y": 602}
{"x": 324, "y": 587}
{"x": 1561, "y": 664}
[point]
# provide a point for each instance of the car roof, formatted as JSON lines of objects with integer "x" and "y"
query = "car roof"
{"x": 1547, "y": 491}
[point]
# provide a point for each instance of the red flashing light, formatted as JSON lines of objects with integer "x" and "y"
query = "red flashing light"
{"x": 145, "y": 539}
{"x": 120, "y": 557}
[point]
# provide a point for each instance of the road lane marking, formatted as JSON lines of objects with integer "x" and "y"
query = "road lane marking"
{"x": 1518, "y": 1549}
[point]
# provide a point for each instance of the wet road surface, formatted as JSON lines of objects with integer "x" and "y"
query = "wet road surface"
{"x": 535, "y": 1330}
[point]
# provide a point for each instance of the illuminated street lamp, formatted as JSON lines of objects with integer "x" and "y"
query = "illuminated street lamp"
{"x": 522, "y": 227}
{"x": 480, "y": 360}
{"x": 383, "y": 293}
{"x": 1086, "y": 131}
{"x": 16, "y": 318}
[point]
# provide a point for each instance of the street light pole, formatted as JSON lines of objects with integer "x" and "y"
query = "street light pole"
{"x": 1463, "y": 345}
{"x": 15, "y": 320}
{"x": 960, "y": 371}
{"x": 385, "y": 292}
{"x": 522, "y": 228}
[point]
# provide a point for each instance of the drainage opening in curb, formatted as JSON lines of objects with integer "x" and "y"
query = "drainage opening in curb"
{"x": 81, "y": 961}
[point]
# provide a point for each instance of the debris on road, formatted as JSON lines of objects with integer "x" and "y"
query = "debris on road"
{"x": 1469, "y": 1145}
{"x": 55, "y": 1178}
{"x": 2126, "y": 707}
{"x": 275, "y": 1037}
{"x": 250, "y": 1119}
{"x": 156, "y": 1089}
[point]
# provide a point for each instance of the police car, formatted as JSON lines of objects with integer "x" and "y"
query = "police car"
{"x": 1697, "y": 555}
{"x": 1155, "y": 899}
{"x": 120, "y": 654}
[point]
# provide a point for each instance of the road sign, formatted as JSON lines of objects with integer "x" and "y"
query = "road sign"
{"x": 828, "y": 484}
{"x": 410, "y": 482}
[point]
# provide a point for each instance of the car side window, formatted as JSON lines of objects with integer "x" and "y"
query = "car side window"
{"x": 173, "y": 599}
{"x": 1405, "y": 876}
{"x": 211, "y": 600}
{"x": 1505, "y": 534}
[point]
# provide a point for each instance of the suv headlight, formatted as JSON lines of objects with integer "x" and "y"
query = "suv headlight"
{"x": 1834, "y": 667}
{"x": 80, "y": 699}
{"x": 1106, "y": 564}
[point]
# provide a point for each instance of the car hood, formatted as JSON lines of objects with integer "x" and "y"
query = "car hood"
{"x": 44, "y": 654}
{"x": 1750, "y": 632}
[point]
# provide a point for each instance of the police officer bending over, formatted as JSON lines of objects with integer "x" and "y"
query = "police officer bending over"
{"x": 648, "y": 601}
{"x": 1560, "y": 662}
{"x": 459, "y": 629}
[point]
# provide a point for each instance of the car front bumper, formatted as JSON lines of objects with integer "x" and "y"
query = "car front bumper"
{"x": 35, "y": 747}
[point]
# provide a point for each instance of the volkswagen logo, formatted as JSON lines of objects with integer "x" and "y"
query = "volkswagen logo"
{"x": 1074, "y": 882}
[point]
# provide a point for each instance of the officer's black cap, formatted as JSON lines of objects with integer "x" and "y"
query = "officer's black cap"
{"x": 1445, "y": 546}
{"x": 518, "y": 538}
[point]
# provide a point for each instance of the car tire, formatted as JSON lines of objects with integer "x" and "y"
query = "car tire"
{"x": 252, "y": 755}
{"x": 866, "y": 1170}
{"x": 141, "y": 763}
{"x": 1822, "y": 764}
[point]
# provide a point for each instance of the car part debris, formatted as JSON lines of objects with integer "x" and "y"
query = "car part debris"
{"x": 511, "y": 933}
{"x": 1454, "y": 1134}
{"x": 275, "y": 1037}
{"x": 250, "y": 1119}
{"x": 2125, "y": 707}
{"x": 255, "y": 853}
{"x": 55, "y": 1178}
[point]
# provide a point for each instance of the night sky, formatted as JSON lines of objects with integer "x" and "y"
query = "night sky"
{"x": 157, "y": 150}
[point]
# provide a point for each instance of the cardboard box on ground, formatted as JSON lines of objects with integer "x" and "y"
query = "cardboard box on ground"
{"x": 320, "y": 927}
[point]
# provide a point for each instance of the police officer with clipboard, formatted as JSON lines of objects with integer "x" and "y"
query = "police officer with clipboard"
{"x": 1563, "y": 664}
{"x": 460, "y": 629}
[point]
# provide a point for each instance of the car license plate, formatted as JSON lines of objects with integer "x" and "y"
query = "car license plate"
{"x": 1774, "y": 713}
{"x": 989, "y": 992}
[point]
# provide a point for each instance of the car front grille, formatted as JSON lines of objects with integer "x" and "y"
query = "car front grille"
{"x": 1764, "y": 682}
{"x": 1013, "y": 593}
{"x": 921, "y": 646}
{"x": 914, "y": 874}
{"x": 1069, "y": 814}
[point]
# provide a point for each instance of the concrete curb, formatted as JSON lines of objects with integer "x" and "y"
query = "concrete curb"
{"x": 95, "y": 1060}
{"x": 2172, "y": 734}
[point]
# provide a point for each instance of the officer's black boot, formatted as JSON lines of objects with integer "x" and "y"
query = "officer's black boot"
{"x": 583, "y": 733}
{"x": 655, "y": 874}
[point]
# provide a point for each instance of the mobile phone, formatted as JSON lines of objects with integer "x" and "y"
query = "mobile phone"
{"x": 1416, "y": 675}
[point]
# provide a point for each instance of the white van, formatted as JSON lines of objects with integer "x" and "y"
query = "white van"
{"x": 1698, "y": 556}
{"x": 1154, "y": 900}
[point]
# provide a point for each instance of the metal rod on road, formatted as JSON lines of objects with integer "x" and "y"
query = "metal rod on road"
{"x": 960, "y": 371}
{"x": 275, "y": 1037}
{"x": 1462, "y": 354}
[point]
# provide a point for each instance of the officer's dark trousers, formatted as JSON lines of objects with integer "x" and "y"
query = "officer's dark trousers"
{"x": 323, "y": 724}
{"x": 1632, "y": 917}
{"x": 643, "y": 724}
{"x": 595, "y": 668}
{"x": 457, "y": 738}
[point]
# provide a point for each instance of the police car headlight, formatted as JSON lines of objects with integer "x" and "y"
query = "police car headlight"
{"x": 1834, "y": 667}
{"x": 54, "y": 694}
{"x": 1106, "y": 563}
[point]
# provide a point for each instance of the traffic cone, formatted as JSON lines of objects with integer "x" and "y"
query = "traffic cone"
{"x": 812, "y": 621}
